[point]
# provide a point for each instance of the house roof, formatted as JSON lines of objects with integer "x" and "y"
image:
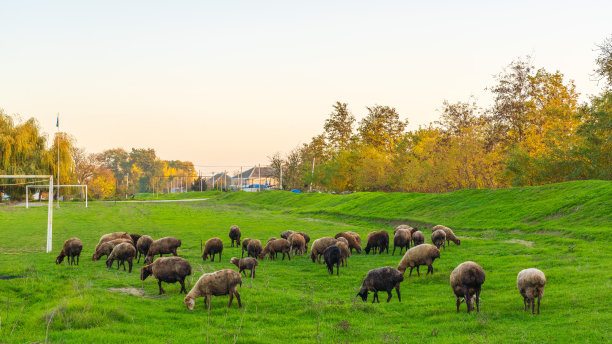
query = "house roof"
{"x": 266, "y": 172}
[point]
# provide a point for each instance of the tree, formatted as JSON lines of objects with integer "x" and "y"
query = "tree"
{"x": 103, "y": 183}
{"x": 381, "y": 128}
{"x": 604, "y": 61}
{"x": 339, "y": 127}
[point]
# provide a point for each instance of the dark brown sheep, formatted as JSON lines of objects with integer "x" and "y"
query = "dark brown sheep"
{"x": 418, "y": 238}
{"x": 287, "y": 234}
{"x": 107, "y": 247}
{"x": 352, "y": 241}
{"x": 72, "y": 248}
{"x": 113, "y": 236}
{"x": 245, "y": 264}
{"x": 298, "y": 243}
{"x": 319, "y": 246}
{"x": 401, "y": 239}
{"x": 142, "y": 245}
{"x": 271, "y": 239}
{"x": 212, "y": 247}
{"x": 245, "y": 245}
{"x": 275, "y": 247}
{"x": 438, "y": 238}
{"x": 218, "y": 283}
{"x": 377, "y": 241}
{"x": 135, "y": 238}
{"x": 356, "y": 236}
{"x": 162, "y": 246}
{"x": 332, "y": 256}
{"x": 424, "y": 254}
{"x": 381, "y": 279}
{"x": 254, "y": 249}
{"x": 122, "y": 252}
{"x": 467, "y": 280}
{"x": 169, "y": 270}
{"x": 235, "y": 235}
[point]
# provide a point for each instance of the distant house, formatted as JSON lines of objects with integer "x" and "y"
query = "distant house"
{"x": 220, "y": 179}
{"x": 264, "y": 176}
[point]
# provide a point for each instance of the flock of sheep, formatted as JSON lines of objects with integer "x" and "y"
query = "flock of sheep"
{"x": 466, "y": 280}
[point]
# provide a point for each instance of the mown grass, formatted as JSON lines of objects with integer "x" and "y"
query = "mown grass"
{"x": 297, "y": 301}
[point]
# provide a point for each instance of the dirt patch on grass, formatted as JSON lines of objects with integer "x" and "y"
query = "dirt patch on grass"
{"x": 519, "y": 241}
{"x": 128, "y": 291}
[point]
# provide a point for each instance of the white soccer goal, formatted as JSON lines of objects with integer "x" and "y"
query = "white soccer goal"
{"x": 50, "y": 211}
{"x": 55, "y": 186}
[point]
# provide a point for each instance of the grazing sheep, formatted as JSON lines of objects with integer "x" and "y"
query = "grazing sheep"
{"x": 112, "y": 236}
{"x": 306, "y": 238}
{"x": 286, "y": 234}
{"x": 438, "y": 238}
{"x": 381, "y": 279}
{"x": 319, "y": 246}
{"x": 402, "y": 227}
{"x": 271, "y": 239}
{"x": 332, "y": 257}
{"x": 424, "y": 254}
{"x": 450, "y": 235}
{"x": 134, "y": 238}
{"x": 72, "y": 248}
{"x": 245, "y": 264}
{"x": 341, "y": 239}
{"x": 218, "y": 283}
{"x": 298, "y": 243}
{"x": 122, "y": 252}
{"x": 466, "y": 281}
{"x": 345, "y": 253}
{"x": 254, "y": 248}
{"x": 107, "y": 247}
{"x": 235, "y": 235}
{"x": 418, "y": 238}
{"x": 351, "y": 238}
{"x": 245, "y": 244}
{"x": 169, "y": 270}
{"x": 162, "y": 246}
{"x": 142, "y": 245}
{"x": 377, "y": 240}
{"x": 401, "y": 239}
{"x": 412, "y": 230}
{"x": 531, "y": 283}
{"x": 212, "y": 247}
{"x": 275, "y": 247}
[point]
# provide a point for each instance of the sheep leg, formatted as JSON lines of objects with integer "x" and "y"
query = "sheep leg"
{"x": 182, "y": 282}
{"x": 397, "y": 289}
{"x": 539, "y": 298}
{"x": 389, "y": 293}
{"x": 123, "y": 263}
{"x": 253, "y": 272}
{"x": 130, "y": 263}
{"x": 458, "y": 303}
{"x": 468, "y": 299}
{"x": 533, "y": 306}
{"x": 393, "y": 254}
{"x": 478, "y": 301}
{"x": 238, "y": 298}
{"x": 375, "y": 296}
{"x": 78, "y": 256}
{"x": 337, "y": 269}
{"x": 418, "y": 273}
{"x": 410, "y": 274}
{"x": 161, "y": 290}
{"x": 524, "y": 304}
{"x": 230, "y": 299}
{"x": 207, "y": 302}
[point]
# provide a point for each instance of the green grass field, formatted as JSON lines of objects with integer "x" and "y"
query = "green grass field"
{"x": 561, "y": 229}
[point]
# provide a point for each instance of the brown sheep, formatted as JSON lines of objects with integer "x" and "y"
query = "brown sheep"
{"x": 245, "y": 264}
{"x": 319, "y": 246}
{"x": 356, "y": 236}
{"x": 286, "y": 234}
{"x": 254, "y": 248}
{"x": 438, "y": 238}
{"x": 531, "y": 283}
{"x": 134, "y": 238}
{"x": 424, "y": 254}
{"x": 275, "y": 247}
{"x": 298, "y": 243}
{"x": 122, "y": 252}
{"x": 245, "y": 244}
{"x": 412, "y": 230}
{"x": 218, "y": 283}
{"x": 169, "y": 270}
{"x": 418, "y": 238}
{"x": 401, "y": 239}
{"x": 377, "y": 241}
{"x": 162, "y": 246}
{"x": 450, "y": 235}
{"x": 467, "y": 280}
{"x": 351, "y": 239}
{"x": 107, "y": 247}
{"x": 345, "y": 253}
{"x": 212, "y": 247}
{"x": 307, "y": 239}
{"x": 235, "y": 235}
{"x": 142, "y": 245}
{"x": 72, "y": 248}
{"x": 381, "y": 279}
{"x": 113, "y": 236}
{"x": 402, "y": 227}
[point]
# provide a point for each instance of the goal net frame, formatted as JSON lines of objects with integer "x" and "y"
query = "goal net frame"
{"x": 50, "y": 211}
{"x": 55, "y": 186}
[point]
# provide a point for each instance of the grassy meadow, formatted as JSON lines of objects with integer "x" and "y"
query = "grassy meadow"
{"x": 561, "y": 229}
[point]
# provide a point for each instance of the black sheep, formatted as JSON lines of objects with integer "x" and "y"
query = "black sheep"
{"x": 381, "y": 279}
{"x": 332, "y": 256}
{"x": 378, "y": 241}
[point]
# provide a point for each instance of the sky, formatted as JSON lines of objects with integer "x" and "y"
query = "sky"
{"x": 229, "y": 83}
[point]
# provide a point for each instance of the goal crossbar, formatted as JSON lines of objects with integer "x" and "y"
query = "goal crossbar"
{"x": 50, "y": 211}
{"x": 58, "y": 186}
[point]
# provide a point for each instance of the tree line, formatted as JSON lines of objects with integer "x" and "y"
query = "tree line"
{"x": 535, "y": 132}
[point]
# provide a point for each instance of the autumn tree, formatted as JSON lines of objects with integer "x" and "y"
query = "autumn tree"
{"x": 603, "y": 62}
{"x": 339, "y": 128}
{"x": 381, "y": 128}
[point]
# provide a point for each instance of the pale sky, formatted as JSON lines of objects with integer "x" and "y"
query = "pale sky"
{"x": 232, "y": 82}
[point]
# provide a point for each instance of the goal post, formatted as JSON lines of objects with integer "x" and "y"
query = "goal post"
{"x": 50, "y": 211}
{"x": 55, "y": 186}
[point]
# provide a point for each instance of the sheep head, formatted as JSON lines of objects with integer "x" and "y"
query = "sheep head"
{"x": 189, "y": 302}
{"x": 59, "y": 259}
{"x": 363, "y": 293}
{"x": 145, "y": 272}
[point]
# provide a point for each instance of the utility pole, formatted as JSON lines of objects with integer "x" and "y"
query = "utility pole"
{"x": 312, "y": 175}
{"x": 128, "y": 185}
{"x": 281, "y": 175}
{"x": 58, "y": 161}
{"x": 259, "y": 171}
